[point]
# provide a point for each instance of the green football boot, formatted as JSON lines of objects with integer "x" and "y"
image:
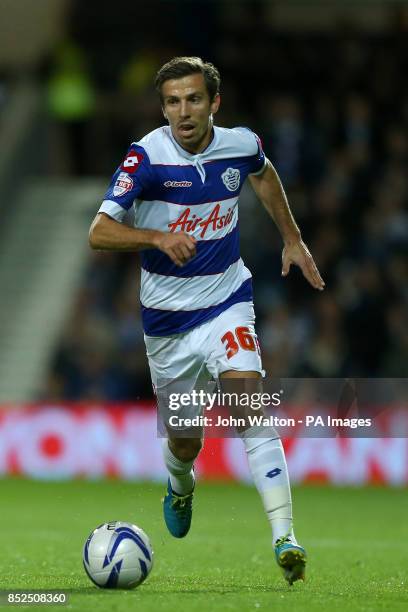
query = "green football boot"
{"x": 291, "y": 558}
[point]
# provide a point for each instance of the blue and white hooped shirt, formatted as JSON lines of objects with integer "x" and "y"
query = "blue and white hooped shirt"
{"x": 161, "y": 186}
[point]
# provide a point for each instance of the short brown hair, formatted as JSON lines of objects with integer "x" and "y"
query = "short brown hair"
{"x": 180, "y": 67}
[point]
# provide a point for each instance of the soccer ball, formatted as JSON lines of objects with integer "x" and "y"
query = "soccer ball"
{"x": 118, "y": 555}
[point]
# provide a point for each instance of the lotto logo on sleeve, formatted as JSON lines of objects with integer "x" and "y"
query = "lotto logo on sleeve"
{"x": 132, "y": 162}
{"x": 124, "y": 183}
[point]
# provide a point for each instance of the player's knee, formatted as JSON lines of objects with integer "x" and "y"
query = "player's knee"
{"x": 186, "y": 449}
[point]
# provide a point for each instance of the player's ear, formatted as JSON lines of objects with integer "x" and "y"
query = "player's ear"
{"x": 164, "y": 112}
{"x": 215, "y": 104}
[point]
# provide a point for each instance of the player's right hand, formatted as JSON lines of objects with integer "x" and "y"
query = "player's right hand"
{"x": 180, "y": 247}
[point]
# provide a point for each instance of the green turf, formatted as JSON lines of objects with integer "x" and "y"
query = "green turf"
{"x": 356, "y": 540}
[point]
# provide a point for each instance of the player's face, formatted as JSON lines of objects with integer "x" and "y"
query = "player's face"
{"x": 188, "y": 109}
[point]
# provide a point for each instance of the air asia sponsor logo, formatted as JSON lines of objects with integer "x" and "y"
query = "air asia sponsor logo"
{"x": 231, "y": 178}
{"x": 132, "y": 162}
{"x": 214, "y": 221}
{"x": 124, "y": 183}
{"x": 177, "y": 184}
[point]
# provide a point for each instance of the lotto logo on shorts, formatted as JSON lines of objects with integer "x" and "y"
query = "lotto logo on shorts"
{"x": 132, "y": 162}
{"x": 123, "y": 184}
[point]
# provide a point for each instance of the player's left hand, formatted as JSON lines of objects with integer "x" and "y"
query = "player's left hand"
{"x": 298, "y": 253}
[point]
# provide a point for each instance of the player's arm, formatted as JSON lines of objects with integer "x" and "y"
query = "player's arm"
{"x": 269, "y": 190}
{"x": 109, "y": 235}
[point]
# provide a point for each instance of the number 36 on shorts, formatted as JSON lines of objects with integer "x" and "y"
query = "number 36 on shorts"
{"x": 240, "y": 338}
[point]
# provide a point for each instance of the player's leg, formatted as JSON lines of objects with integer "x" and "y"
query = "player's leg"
{"x": 179, "y": 455}
{"x": 265, "y": 454}
{"x": 236, "y": 361}
{"x": 267, "y": 463}
{"x": 174, "y": 370}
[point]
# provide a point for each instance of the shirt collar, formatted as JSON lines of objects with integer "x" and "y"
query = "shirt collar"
{"x": 192, "y": 156}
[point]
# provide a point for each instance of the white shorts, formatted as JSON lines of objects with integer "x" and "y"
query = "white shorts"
{"x": 227, "y": 342}
{"x": 192, "y": 359}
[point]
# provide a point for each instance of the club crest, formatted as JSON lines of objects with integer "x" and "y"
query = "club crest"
{"x": 231, "y": 178}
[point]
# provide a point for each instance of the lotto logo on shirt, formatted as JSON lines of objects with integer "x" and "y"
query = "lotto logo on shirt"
{"x": 132, "y": 162}
{"x": 124, "y": 183}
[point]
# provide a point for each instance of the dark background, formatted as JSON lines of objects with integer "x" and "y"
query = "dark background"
{"x": 325, "y": 88}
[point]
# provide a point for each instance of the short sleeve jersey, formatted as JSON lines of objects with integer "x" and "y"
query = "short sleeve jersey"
{"x": 161, "y": 186}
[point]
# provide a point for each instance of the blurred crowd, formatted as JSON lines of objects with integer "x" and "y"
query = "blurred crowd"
{"x": 332, "y": 112}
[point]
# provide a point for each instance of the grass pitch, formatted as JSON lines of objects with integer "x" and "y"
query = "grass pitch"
{"x": 356, "y": 540}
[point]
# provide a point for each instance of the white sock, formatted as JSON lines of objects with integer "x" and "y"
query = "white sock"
{"x": 181, "y": 473}
{"x": 268, "y": 467}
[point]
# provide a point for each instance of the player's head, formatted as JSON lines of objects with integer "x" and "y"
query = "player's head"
{"x": 189, "y": 94}
{"x": 180, "y": 67}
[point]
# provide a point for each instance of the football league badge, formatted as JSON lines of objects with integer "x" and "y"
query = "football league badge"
{"x": 123, "y": 184}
